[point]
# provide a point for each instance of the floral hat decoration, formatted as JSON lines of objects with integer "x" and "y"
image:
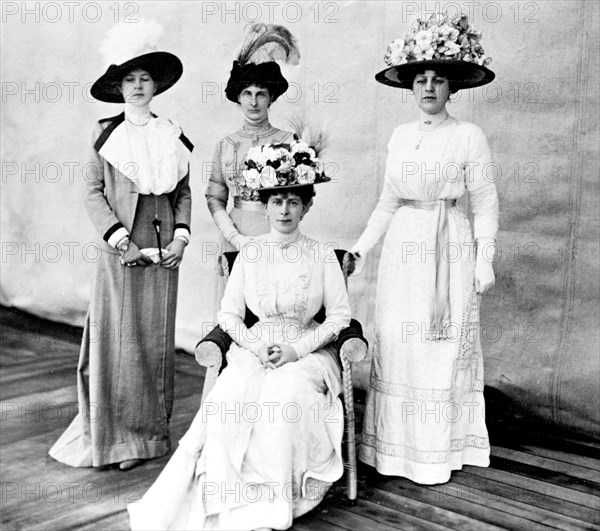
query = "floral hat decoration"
{"x": 450, "y": 45}
{"x": 289, "y": 165}
{"x": 129, "y": 46}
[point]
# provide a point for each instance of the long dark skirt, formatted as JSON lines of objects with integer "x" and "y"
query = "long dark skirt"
{"x": 126, "y": 365}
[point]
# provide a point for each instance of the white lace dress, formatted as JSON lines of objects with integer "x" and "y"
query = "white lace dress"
{"x": 266, "y": 444}
{"x": 425, "y": 407}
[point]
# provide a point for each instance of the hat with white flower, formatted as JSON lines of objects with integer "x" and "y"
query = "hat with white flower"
{"x": 450, "y": 45}
{"x": 289, "y": 165}
{"x": 131, "y": 46}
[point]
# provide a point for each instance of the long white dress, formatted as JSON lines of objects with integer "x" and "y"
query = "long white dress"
{"x": 266, "y": 444}
{"x": 425, "y": 407}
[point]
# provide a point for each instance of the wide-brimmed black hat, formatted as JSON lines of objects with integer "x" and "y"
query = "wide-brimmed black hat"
{"x": 461, "y": 74}
{"x": 266, "y": 75}
{"x": 164, "y": 67}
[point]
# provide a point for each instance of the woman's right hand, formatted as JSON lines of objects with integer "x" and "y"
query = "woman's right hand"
{"x": 265, "y": 355}
{"x": 133, "y": 256}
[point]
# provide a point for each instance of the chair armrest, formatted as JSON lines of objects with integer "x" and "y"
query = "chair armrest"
{"x": 351, "y": 342}
{"x": 211, "y": 350}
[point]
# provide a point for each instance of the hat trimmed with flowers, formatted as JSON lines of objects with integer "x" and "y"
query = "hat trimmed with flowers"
{"x": 449, "y": 45}
{"x": 289, "y": 165}
{"x": 132, "y": 46}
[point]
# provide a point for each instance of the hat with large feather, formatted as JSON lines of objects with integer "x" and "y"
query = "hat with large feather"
{"x": 257, "y": 64}
{"x": 132, "y": 46}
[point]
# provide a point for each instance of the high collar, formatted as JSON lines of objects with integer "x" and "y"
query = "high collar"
{"x": 137, "y": 115}
{"x": 256, "y": 124}
{"x": 284, "y": 240}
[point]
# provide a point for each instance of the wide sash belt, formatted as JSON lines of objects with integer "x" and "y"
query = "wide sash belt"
{"x": 255, "y": 206}
{"x": 439, "y": 319}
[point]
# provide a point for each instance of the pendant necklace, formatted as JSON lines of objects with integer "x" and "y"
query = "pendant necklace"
{"x": 427, "y": 132}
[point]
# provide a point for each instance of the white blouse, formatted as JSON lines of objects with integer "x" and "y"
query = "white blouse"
{"x": 447, "y": 162}
{"x": 285, "y": 280}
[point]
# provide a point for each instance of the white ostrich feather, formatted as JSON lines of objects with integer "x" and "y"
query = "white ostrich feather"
{"x": 125, "y": 41}
{"x": 313, "y": 133}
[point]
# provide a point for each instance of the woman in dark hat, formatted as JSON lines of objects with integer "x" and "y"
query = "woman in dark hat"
{"x": 254, "y": 84}
{"x": 275, "y": 458}
{"x": 425, "y": 408}
{"x": 138, "y": 197}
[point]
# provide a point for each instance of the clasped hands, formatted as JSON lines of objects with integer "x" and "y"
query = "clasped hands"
{"x": 170, "y": 260}
{"x": 275, "y": 355}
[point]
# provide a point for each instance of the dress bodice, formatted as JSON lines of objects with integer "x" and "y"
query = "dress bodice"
{"x": 440, "y": 164}
{"x": 285, "y": 283}
{"x": 230, "y": 154}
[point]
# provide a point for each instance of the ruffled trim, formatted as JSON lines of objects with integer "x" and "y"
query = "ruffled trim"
{"x": 151, "y": 156}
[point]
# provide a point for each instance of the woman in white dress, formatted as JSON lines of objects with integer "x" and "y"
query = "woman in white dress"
{"x": 266, "y": 444}
{"x": 425, "y": 408}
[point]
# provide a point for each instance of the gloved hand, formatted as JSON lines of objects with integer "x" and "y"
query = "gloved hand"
{"x": 484, "y": 269}
{"x": 239, "y": 240}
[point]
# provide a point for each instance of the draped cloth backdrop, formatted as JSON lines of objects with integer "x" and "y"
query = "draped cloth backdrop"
{"x": 540, "y": 321}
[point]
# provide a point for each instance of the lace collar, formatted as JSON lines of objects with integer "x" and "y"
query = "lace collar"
{"x": 283, "y": 240}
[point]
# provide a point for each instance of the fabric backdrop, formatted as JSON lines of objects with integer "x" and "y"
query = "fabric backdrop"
{"x": 540, "y": 321}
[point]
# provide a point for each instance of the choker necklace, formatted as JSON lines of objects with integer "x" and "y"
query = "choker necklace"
{"x": 256, "y": 131}
{"x": 427, "y": 132}
{"x": 139, "y": 125}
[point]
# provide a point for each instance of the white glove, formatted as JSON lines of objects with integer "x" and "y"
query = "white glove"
{"x": 484, "y": 270}
{"x": 239, "y": 240}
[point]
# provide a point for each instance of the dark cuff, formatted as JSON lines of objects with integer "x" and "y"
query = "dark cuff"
{"x": 118, "y": 225}
{"x": 183, "y": 226}
{"x": 220, "y": 338}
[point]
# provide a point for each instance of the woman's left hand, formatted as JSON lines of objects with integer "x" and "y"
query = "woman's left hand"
{"x": 484, "y": 269}
{"x": 484, "y": 276}
{"x": 283, "y": 354}
{"x": 173, "y": 258}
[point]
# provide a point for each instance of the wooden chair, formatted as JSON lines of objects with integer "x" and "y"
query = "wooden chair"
{"x": 351, "y": 347}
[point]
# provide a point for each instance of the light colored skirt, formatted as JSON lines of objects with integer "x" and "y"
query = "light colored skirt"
{"x": 264, "y": 448}
{"x": 425, "y": 408}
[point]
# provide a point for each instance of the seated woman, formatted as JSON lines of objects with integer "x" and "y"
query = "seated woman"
{"x": 266, "y": 444}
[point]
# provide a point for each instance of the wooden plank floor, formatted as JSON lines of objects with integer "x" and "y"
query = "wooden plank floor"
{"x": 534, "y": 482}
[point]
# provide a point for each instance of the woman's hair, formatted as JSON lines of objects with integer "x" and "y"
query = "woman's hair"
{"x": 440, "y": 71}
{"x": 153, "y": 75}
{"x": 305, "y": 193}
{"x": 244, "y": 86}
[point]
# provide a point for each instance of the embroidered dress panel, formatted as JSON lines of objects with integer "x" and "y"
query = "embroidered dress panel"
{"x": 425, "y": 408}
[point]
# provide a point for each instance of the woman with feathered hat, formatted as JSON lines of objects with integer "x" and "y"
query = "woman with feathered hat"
{"x": 266, "y": 444}
{"x": 425, "y": 408}
{"x": 255, "y": 83}
{"x": 138, "y": 198}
